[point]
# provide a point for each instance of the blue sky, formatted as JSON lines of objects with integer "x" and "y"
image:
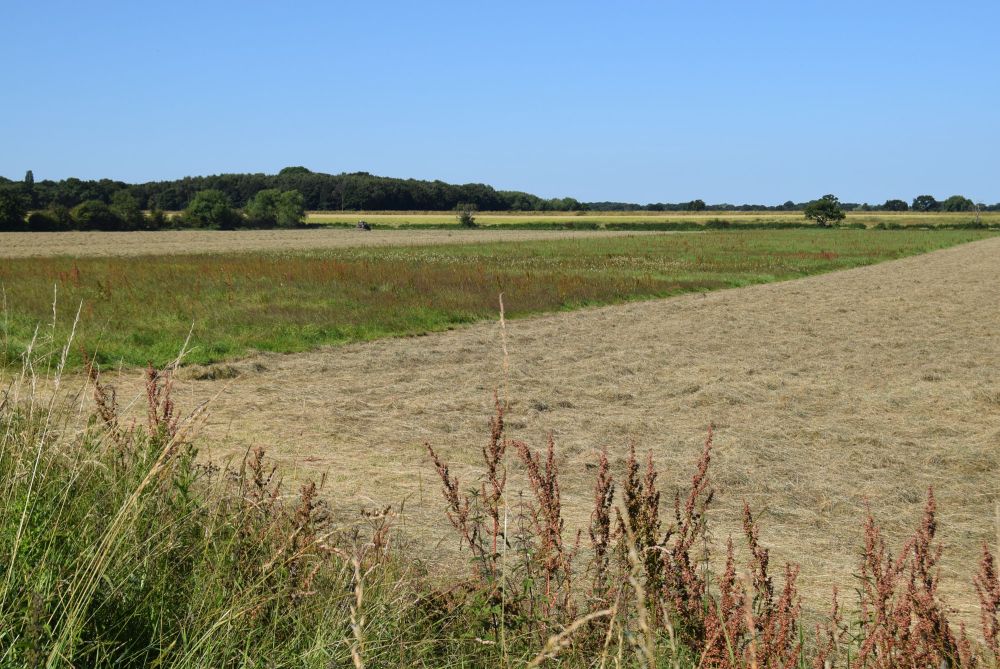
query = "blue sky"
{"x": 632, "y": 101}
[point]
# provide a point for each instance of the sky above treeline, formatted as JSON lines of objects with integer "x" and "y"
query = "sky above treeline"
{"x": 628, "y": 101}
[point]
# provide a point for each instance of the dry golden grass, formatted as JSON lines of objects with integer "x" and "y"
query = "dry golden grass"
{"x": 35, "y": 244}
{"x": 826, "y": 393}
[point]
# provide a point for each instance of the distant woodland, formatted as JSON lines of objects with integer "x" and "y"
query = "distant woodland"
{"x": 261, "y": 200}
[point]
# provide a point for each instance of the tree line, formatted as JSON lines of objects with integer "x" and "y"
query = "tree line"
{"x": 324, "y": 192}
{"x": 955, "y": 203}
{"x": 280, "y": 200}
{"x": 210, "y": 209}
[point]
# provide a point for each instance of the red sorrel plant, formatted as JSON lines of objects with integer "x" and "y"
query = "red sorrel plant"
{"x": 477, "y": 516}
{"x": 903, "y": 622}
{"x": 551, "y": 555}
{"x": 752, "y": 629}
{"x": 648, "y": 581}
{"x": 776, "y": 627}
{"x": 988, "y": 589}
{"x": 602, "y": 591}
{"x": 160, "y": 411}
{"x": 726, "y": 619}
{"x": 830, "y": 637}
{"x": 641, "y": 501}
{"x": 675, "y": 586}
{"x": 686, "y": 588}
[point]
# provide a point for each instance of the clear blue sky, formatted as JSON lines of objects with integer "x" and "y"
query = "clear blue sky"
{"x": 652, "y": 101}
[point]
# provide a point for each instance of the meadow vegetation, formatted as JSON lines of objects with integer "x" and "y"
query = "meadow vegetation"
{"x": 142, "y": 309}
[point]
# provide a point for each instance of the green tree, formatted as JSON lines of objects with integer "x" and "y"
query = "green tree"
{"x": 13, "y": 208}
{"x": 958, "y": 203}
{"x": 895, "y": 205}
{"x": 211, "y": 209}
{"x": 271, "y": 206}
{"x": 29, "y": 188}
{"x": 291, "y": 209}
{"x": 126, "y": 207}
{"x": 295, "y": 169}
{"x": 54, "y": 219}
{"x": 262, "y": 209}
{"x": 825, "y": 211}
{"x": 95, "y": 215}
{"x": 925, "y": 203}
{"x": 696, "y": 205}
{"x": 466, "y": 215}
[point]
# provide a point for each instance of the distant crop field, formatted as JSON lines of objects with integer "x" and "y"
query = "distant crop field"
{"x": 602, "y": 219}
{"x": 173, "y": 242}
{"x": 136, "y": 310}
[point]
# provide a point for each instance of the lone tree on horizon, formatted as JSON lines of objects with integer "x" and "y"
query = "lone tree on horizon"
{"x": 825, "y": 211}
{"x": 466, "y": 214}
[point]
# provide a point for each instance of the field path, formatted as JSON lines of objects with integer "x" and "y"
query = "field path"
{"x": 867, "y": 384}
{"x": 173, "y": 242}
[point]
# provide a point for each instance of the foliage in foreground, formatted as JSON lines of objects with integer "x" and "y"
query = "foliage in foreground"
{"x": 122, "y": 549}
{"x": 648, "y": 587}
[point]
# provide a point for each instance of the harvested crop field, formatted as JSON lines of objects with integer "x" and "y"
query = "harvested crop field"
{"x": 827, "y": 393}
{"x": 40, "y": 244}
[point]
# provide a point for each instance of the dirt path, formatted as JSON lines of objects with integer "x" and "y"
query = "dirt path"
{"x": 33, "y": 244}
{"x": 868, "y": 384}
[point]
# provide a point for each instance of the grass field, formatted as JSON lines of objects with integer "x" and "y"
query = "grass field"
{"x": 139, "y": 310}
{"x": 602, "y": 219}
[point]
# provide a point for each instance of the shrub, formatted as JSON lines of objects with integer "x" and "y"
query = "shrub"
{"x": 262, "y": 209}
{"x": 718, "y": 224}
{"x": 211, "y": 209}
{"x": 95, "y": 215}
{"x": 126, "y": 207}
{"x": 466, "y": 215}
{"x": 13, "y": 208}
{"x": 274, "y": 207}
{"x": 53, "y": 219}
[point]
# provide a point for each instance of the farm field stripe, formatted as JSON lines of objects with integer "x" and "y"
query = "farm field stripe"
{"x": 139, "y": 310}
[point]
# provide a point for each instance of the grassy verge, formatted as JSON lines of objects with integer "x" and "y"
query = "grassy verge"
{"x": 141, "y": 309}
